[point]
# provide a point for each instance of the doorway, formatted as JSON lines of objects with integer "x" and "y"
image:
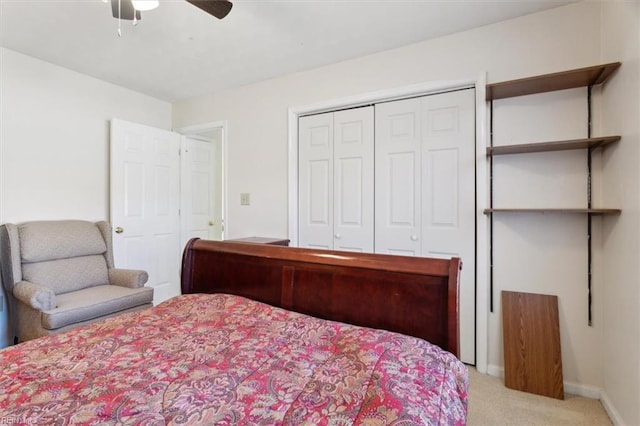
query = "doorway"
{"x": 200, "y": 188}
{"x": 163, "y": 184}
{"x": 203, "y": 182}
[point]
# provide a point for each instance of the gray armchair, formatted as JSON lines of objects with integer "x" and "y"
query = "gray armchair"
{"x": 60, "y": 274}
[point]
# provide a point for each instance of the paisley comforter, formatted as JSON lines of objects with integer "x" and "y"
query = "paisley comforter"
{"x": 221, "y": 359}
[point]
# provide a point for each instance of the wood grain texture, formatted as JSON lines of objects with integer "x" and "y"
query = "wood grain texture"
{"x": 591, "y": 211}
{"x": 525, "y": 148}
{"x": 532, "y": 353}
{"x": 589, "y": 76}
{"x": 411, "y": 295}
{"x": 262, "y": 240}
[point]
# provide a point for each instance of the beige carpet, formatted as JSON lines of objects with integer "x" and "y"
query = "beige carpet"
{"x": 491, "y": 403}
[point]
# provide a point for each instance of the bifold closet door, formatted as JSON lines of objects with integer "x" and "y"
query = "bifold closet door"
{"x": 397, "y": 170}
{"x": 448, "y": 195}
{"x": 336, "y": 180}
{"x": 425, "y": 187}
{"x": 353, "y": 180}
{"x": 448, "y": 176}
{"x": 315, "y": 181}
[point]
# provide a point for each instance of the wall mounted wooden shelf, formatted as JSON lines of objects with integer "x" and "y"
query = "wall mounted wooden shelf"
{"x": 581, "y": 77}
{"x": 589, "y": 76}
{"x": 552, "y": 146}
{"x": 591, "y": 211}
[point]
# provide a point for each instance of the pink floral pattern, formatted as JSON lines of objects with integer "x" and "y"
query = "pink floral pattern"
{"x": 221, "y": 359}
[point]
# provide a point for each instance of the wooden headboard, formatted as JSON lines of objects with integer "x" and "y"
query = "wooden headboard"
{"x": 411, "y": 295}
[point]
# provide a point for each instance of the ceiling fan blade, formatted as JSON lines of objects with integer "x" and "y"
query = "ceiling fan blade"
{"x": 127, "y": 10}
{"x": 217, "y": 8}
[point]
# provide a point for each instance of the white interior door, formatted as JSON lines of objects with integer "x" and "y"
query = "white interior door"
{"x": 145, "y": 203}
{"x": 397, "y": 177}
{"x": 353, "y": 180}
{"x": 200, "y": 189}
{"x": 448, "y": 195}
{"x": 315, "y": 174}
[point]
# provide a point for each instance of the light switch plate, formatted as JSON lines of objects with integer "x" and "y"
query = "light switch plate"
{"x": 245, "y": 199}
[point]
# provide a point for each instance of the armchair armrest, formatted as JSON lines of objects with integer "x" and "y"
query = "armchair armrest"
{"x": 36, "y": 296}
{"x": 131, "y": 278}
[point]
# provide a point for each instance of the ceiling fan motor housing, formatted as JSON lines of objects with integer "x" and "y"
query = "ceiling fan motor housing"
{"x": 123, "y": 9}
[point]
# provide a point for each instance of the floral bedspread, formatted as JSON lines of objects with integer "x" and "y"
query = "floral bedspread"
{"x": 221, "y": 359}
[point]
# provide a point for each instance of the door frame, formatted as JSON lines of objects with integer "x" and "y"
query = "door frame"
{"x": 482, "y": 178}
{"x": 195, "y": 131}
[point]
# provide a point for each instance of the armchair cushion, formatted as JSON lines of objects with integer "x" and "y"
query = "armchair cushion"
{"x": 49, "y": 240}
{"x": 131, "y": 278}
{"x": 94, "y": 302}
{"x": 34, "y": 295}
{"x": 65, "y": 275}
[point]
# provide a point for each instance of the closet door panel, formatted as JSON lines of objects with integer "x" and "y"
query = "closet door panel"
{"x": 448, "y": 194}
{"x": 315, "y": 168}
{"x": 353, "y": 180}
{"x": 397, "y": 177}
{"x": 448, "y": 172}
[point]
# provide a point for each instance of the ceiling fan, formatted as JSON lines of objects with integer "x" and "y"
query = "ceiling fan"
{"x": 130, "y": 9}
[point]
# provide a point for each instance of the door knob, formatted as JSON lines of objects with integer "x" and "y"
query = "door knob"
{"x": 414, "y": 238}
{"x": 211, "y": 223}
{"x": 338, "y": 236}
{"x": 119, "y": 230}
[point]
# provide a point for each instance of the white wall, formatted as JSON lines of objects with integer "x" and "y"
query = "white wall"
{"x": 550, "y": 41}
{"x": 621, "y": 115}
{"x": 54, "y": 136}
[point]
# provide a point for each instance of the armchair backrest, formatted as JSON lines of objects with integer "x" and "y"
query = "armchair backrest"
{"x": 66, "y": 255}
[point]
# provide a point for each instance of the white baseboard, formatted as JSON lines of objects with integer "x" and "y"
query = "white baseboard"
{"x": 610, "y": 409}
{"x": 586, "y": 391}
{"x": 495, "y": 371}
{"x": 569, "y": 387}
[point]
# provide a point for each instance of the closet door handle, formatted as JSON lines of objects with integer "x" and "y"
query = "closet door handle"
{"x": 414, "y": 238}
{"x": 337, "y": 236}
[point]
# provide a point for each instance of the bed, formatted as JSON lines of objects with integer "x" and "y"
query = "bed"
{"x": 261, "y": 335}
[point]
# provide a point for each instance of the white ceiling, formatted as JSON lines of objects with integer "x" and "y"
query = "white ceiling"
{"x": 178, "y": 51}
